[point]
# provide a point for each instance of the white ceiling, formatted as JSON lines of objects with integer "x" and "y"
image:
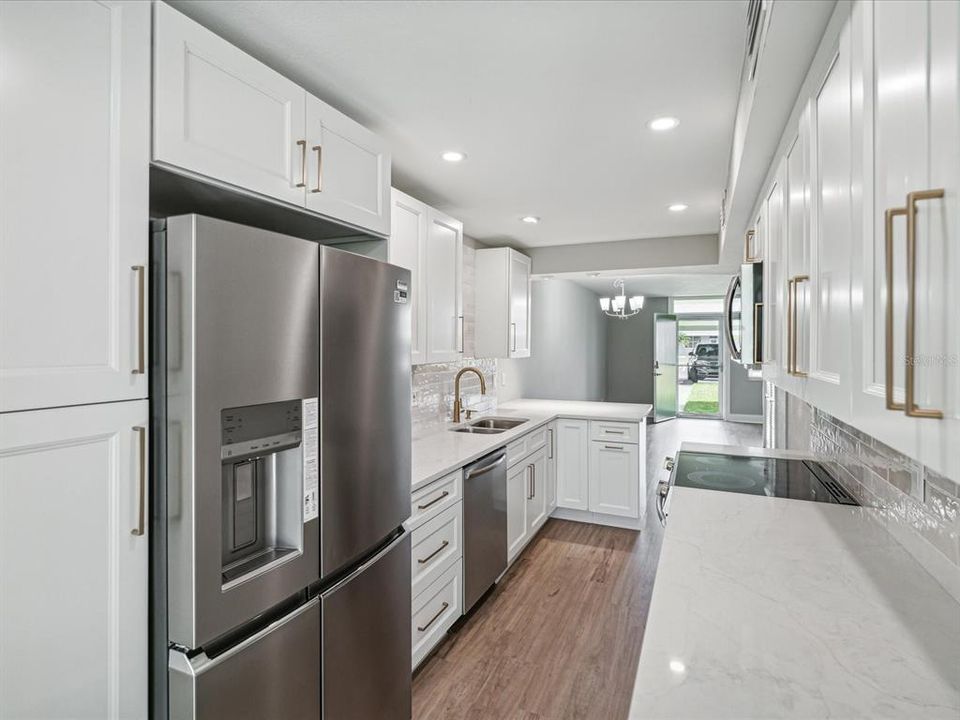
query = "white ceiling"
{"x": 549, "y": 100}
{"x": 699, "y": 283}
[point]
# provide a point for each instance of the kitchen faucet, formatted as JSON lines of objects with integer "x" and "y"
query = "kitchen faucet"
{"x": 457, "y": 402}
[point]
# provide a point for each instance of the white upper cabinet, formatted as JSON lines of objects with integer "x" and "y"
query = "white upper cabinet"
{"x": 74, "y": 557}
{"x": 830, "y": 246}
{"x": 910, "y": 80}
{"x": 444, "y": 287}
{"x": 408, "y": 239}
{"x": 503, "y": 303}
{"x": 774, "y": 283}
{"x": 74, "y": 159}
{"x": 223, "y": 114}
{"x": 430, "y": 245}
{"x": 347, "y": 169}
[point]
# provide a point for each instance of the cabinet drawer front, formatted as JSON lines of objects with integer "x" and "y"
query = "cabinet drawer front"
{"x": 436, "y": 544}
{"x": 516, "y": 451}
{"x": 430, "y": 501}
{"x": 614, "y": 431}
{"x": 536, "y": 439}
{"x": 435, "y": 610}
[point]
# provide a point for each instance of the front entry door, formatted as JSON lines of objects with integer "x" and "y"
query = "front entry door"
{"x": 664, "y": 367}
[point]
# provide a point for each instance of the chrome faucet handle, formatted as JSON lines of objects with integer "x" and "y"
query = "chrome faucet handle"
{"x": 469, "y": 413}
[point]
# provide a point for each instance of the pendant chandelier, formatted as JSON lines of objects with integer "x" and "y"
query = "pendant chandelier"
{"x": 619, "y": 306}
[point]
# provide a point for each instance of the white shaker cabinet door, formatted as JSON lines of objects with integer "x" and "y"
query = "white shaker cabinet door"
{"x": 220, "y": 113}
{"x": 73, "y": 562}
{"x": 537, "y": 493}
{"x": 74, "y": 156}
{"x": 573, "y": 464}
{"x": 443, "y": 276}
{"x": 831, "y": 232}
{"x": 408, "y": 237}
{"x": 347, "y": 169}
{"x": 551, "y": 481}
{"x": 615, "y": 479}
{"x": 519, "y": 305}
{"x": 518, "y": 481}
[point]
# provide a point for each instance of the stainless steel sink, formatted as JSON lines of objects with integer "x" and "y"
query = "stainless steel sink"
{"x": 478, "y": 430}
{"x": 498, "y": 423}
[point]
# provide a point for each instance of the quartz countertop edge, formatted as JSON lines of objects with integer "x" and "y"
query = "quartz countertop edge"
{"x": 775, "y": 608}
{"x": 443, "y": 452}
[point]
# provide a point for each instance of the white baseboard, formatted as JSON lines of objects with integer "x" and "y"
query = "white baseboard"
{"x": 585, "y": 516}
{"x": 734, "y": 417}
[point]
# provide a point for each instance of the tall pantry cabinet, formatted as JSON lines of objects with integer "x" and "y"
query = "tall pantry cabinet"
{"x": 74, "y": 158}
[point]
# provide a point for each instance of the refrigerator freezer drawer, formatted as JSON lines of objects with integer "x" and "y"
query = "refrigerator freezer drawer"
{"x": 275, "y": 673}
{"x": 366, "y": 639}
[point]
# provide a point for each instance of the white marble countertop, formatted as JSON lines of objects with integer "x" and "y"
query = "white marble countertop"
{"x": 774, "y": 608}
{"x": 443, "y": 452}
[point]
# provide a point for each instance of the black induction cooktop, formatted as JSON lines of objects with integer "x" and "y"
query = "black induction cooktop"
{"x": 773, "y": 477}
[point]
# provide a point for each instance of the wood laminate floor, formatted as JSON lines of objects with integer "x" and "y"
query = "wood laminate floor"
{"x": 560, "y": 635}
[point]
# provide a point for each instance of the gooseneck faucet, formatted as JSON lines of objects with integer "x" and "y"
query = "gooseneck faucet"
{"x": 457, "y": 401}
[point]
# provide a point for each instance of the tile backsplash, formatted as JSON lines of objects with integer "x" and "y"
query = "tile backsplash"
{"x": 433, "y": 392}
{"x": 919, "y": 507}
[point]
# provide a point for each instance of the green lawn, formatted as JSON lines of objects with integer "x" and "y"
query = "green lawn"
{"x": 704, "y": 399}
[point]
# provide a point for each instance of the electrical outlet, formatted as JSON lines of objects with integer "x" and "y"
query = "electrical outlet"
{"x": 503, "y": 378}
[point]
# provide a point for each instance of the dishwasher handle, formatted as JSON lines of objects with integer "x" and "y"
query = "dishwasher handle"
{"x": 474, "y": 472}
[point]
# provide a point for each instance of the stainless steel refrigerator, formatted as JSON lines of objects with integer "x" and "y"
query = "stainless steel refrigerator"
{"x": 365, "y": 444}
{"x": 288, "y": 476}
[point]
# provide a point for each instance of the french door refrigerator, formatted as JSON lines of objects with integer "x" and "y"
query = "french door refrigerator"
{"x": 286, "y": 409}
{"x": 242, "y": 339}
{"x": 365, "y": 440}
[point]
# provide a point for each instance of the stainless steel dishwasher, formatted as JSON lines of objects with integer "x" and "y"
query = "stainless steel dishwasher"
{"x": 484, "y": 525}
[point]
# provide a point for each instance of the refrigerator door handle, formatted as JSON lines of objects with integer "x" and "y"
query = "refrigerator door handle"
{"x": 372, "y": 561}
{"x": 207, "y": 663}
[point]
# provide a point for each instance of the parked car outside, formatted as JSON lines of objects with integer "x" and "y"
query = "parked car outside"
{"x": 705, "y": 362}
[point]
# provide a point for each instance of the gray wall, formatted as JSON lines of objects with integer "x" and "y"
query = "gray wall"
{"x": 624, "y": 255}
{"x": 568, "y": 347}
{"x": 630, "y": 354}
{"x": 746, "y": 396}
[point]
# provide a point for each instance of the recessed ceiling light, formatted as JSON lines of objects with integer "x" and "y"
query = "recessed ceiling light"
{"x": 677, "y": 207}
{"x": 453, "y": 156}
{"x": 663, "y": 123}
{"x": 593, "y": 274}
{"x": 531, "y": 219}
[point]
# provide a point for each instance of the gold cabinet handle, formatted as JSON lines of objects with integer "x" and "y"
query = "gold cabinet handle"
{"x": 437, "y": 499}
{"x": 434, "y": 618}
{"x": 748, "y": 238}
{"x": 462, "y": 339}
{"x": 303, "y": 163}
{"x": 318, "y": 149}
{"x": 888, "y": 217}
{"x": 910, "y": 381}
{"x": 432, "y": 555}
{"x": 513, "y": 328}
{"x": 550, "y": 456}
{"x": 140, "y": 270}
{"x": 141, "y": 520}
{"x": 793, "y": 333}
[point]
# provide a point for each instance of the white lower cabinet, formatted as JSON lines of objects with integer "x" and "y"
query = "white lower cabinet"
{"x": 435, "y": 545}
{"x": 436, "y": 561}
{"x": 551, "y": 482}
{"x": 517, "y": 493}
{"x": 74, "y": 562}
{"x": 537, "y": 497}
{"x": 614, "y": 478}
{"x": 435, "y": 610}
{"x": 573, "y": 464}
